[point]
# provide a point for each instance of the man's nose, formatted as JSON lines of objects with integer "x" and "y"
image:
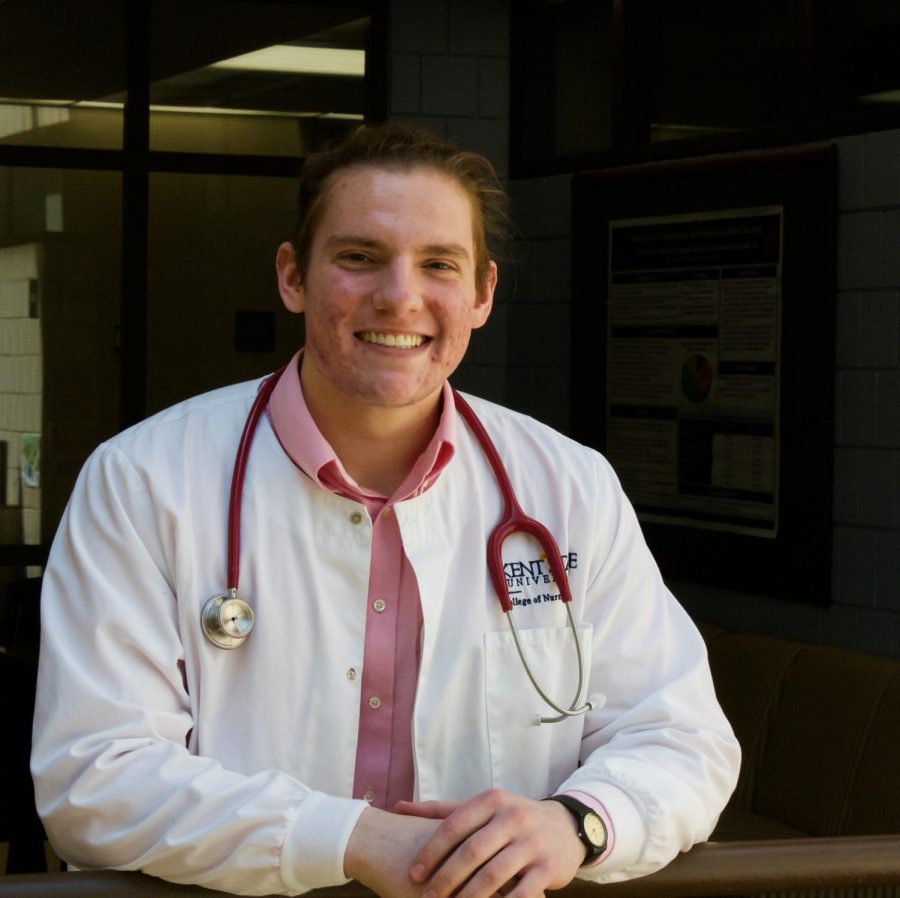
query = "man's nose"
{"x": 398, "y": 289}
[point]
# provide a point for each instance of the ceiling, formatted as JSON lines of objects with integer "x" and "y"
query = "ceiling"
{"x": 56, "y": 51}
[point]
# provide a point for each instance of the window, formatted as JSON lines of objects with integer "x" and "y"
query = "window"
{"x": 598, "y": 83}
{"x": 237, "y": 77}
{"x": 62, "y": 74}
{"x": 148, "y": 152}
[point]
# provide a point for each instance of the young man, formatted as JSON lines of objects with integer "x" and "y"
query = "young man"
{"x": 377, "y": 723}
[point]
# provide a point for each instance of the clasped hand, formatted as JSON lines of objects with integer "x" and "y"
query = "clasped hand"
{"x": 493, "y": 844}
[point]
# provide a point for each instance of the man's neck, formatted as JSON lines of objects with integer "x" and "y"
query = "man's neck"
{"x": 377, "y": 446}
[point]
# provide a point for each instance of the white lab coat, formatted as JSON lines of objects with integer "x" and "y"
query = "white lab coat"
{"x": 155, "y": 750}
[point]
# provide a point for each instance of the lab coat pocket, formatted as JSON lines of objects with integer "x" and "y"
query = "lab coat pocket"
{"x": 526, "y": 758}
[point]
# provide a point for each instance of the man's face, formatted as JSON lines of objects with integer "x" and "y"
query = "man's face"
{"x": 389, "y": 289}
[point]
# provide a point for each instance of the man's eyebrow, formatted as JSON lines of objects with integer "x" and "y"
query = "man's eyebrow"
{"x": 453, "y": 250}
{"x": 445, "y": 249}
{"x": 354, "y": 239}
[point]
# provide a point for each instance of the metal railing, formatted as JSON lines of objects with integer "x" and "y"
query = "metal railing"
{"x": 709, "y": 869}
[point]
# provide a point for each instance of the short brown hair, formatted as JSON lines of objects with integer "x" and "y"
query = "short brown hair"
{"x": 401, "y": 147}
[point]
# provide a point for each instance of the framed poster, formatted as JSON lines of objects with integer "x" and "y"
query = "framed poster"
{"x": 712, "y": 391}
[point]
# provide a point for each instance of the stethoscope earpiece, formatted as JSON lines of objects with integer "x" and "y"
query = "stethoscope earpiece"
{"x": 227, "y": 621}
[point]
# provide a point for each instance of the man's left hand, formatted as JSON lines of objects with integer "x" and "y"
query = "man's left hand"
{"x": 495, "y": 843}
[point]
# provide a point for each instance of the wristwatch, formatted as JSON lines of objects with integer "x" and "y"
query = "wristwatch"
{"x": 591, "y": 828}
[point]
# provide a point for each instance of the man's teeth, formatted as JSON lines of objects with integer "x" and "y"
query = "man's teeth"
{"x": 400, "y": 341}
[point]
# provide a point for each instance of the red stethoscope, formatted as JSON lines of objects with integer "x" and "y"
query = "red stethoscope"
{"x": 227, "y": 620}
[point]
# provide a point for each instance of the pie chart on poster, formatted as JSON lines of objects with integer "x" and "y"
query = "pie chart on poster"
{"x": 696, "y": 378}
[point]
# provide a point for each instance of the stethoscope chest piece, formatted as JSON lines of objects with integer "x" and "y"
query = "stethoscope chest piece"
{"x": 227, "y": 621}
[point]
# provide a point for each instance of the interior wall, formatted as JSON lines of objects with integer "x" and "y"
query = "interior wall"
{"x": 540, "y": 309}
{"x": 449, "y": 62}
{"x": 865, "y": 614}
{"x": 199, "y": 224}
{"x": 449, "y": 65}
{"x": 60, "y": 230}
{"x": 80, "y": 316}
{"x": 21, "y": 375}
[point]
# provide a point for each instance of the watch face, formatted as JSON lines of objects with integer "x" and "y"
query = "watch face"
{"x": 595, "y": 830}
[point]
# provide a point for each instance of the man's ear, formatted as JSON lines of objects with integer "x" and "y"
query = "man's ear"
{"x": 289, "y": 282}
{"x": 484, "y": 301}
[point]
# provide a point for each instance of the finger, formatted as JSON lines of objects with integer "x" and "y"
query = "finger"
{"x": 453, "y": 832}
{"x": 530, "y": 885}
{"x": 434, "y": 810}
{"x": 497, "y": 874}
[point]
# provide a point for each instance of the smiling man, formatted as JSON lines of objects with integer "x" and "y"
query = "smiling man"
{"x": 390, "y": 296}
{"x": 377, "y": 723}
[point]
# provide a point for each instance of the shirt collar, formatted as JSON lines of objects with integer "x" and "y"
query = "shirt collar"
{"x": 304, "y": 444}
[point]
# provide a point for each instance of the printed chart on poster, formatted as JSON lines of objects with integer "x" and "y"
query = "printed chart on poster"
{"x": 694, "y": 339}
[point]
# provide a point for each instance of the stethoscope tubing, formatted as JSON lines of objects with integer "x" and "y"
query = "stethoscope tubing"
{"x": 514, "y": 520}
{"x": 237, "y": 477}
{"x": 576, "y": 708}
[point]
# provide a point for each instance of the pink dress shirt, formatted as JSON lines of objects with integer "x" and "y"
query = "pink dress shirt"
{"x": 385, "y": 772}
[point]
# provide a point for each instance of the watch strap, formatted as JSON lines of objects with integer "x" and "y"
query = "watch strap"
{"x": 580, "y": 811}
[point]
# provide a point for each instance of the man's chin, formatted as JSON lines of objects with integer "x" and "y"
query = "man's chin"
{"x": 394, "y": 395}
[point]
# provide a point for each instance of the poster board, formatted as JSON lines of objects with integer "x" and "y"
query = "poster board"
{"x": 709, "y": 382}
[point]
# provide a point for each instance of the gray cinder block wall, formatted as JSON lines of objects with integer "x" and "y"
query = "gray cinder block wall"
{"x": 867, "y": 433}
{"x": 865, "y": 613}
{"x": 450, "y": 72}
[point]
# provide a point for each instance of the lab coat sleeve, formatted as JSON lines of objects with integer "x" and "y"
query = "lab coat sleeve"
{"x": 659, "y": 755}
{"x": 115, "y": 784}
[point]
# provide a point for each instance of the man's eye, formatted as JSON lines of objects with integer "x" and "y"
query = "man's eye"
{"x": 355, "y": 257}
{"x": 440, "y": 266}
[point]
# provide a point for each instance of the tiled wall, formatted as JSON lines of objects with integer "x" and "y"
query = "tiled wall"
{"x": 867, "y": 431}
{"x": 539, "y": 311}
{"x": 21, "y": 370}
{"x": 59, "y": 283}
{"x": 865, "y": 613}
{"x": 450, "y": 73}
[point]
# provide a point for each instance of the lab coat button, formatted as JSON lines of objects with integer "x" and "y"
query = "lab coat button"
{"x": 379, "y": 605}
{"x": 356, "y": 517}
{"x": 351, "y": 673}
{"x": 374, "y": 702}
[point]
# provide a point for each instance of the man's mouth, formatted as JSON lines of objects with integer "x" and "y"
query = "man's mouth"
{"x": 397, "y": 341}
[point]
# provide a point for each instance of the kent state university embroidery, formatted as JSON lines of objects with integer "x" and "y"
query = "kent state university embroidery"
{"x": 525, "y": 578}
